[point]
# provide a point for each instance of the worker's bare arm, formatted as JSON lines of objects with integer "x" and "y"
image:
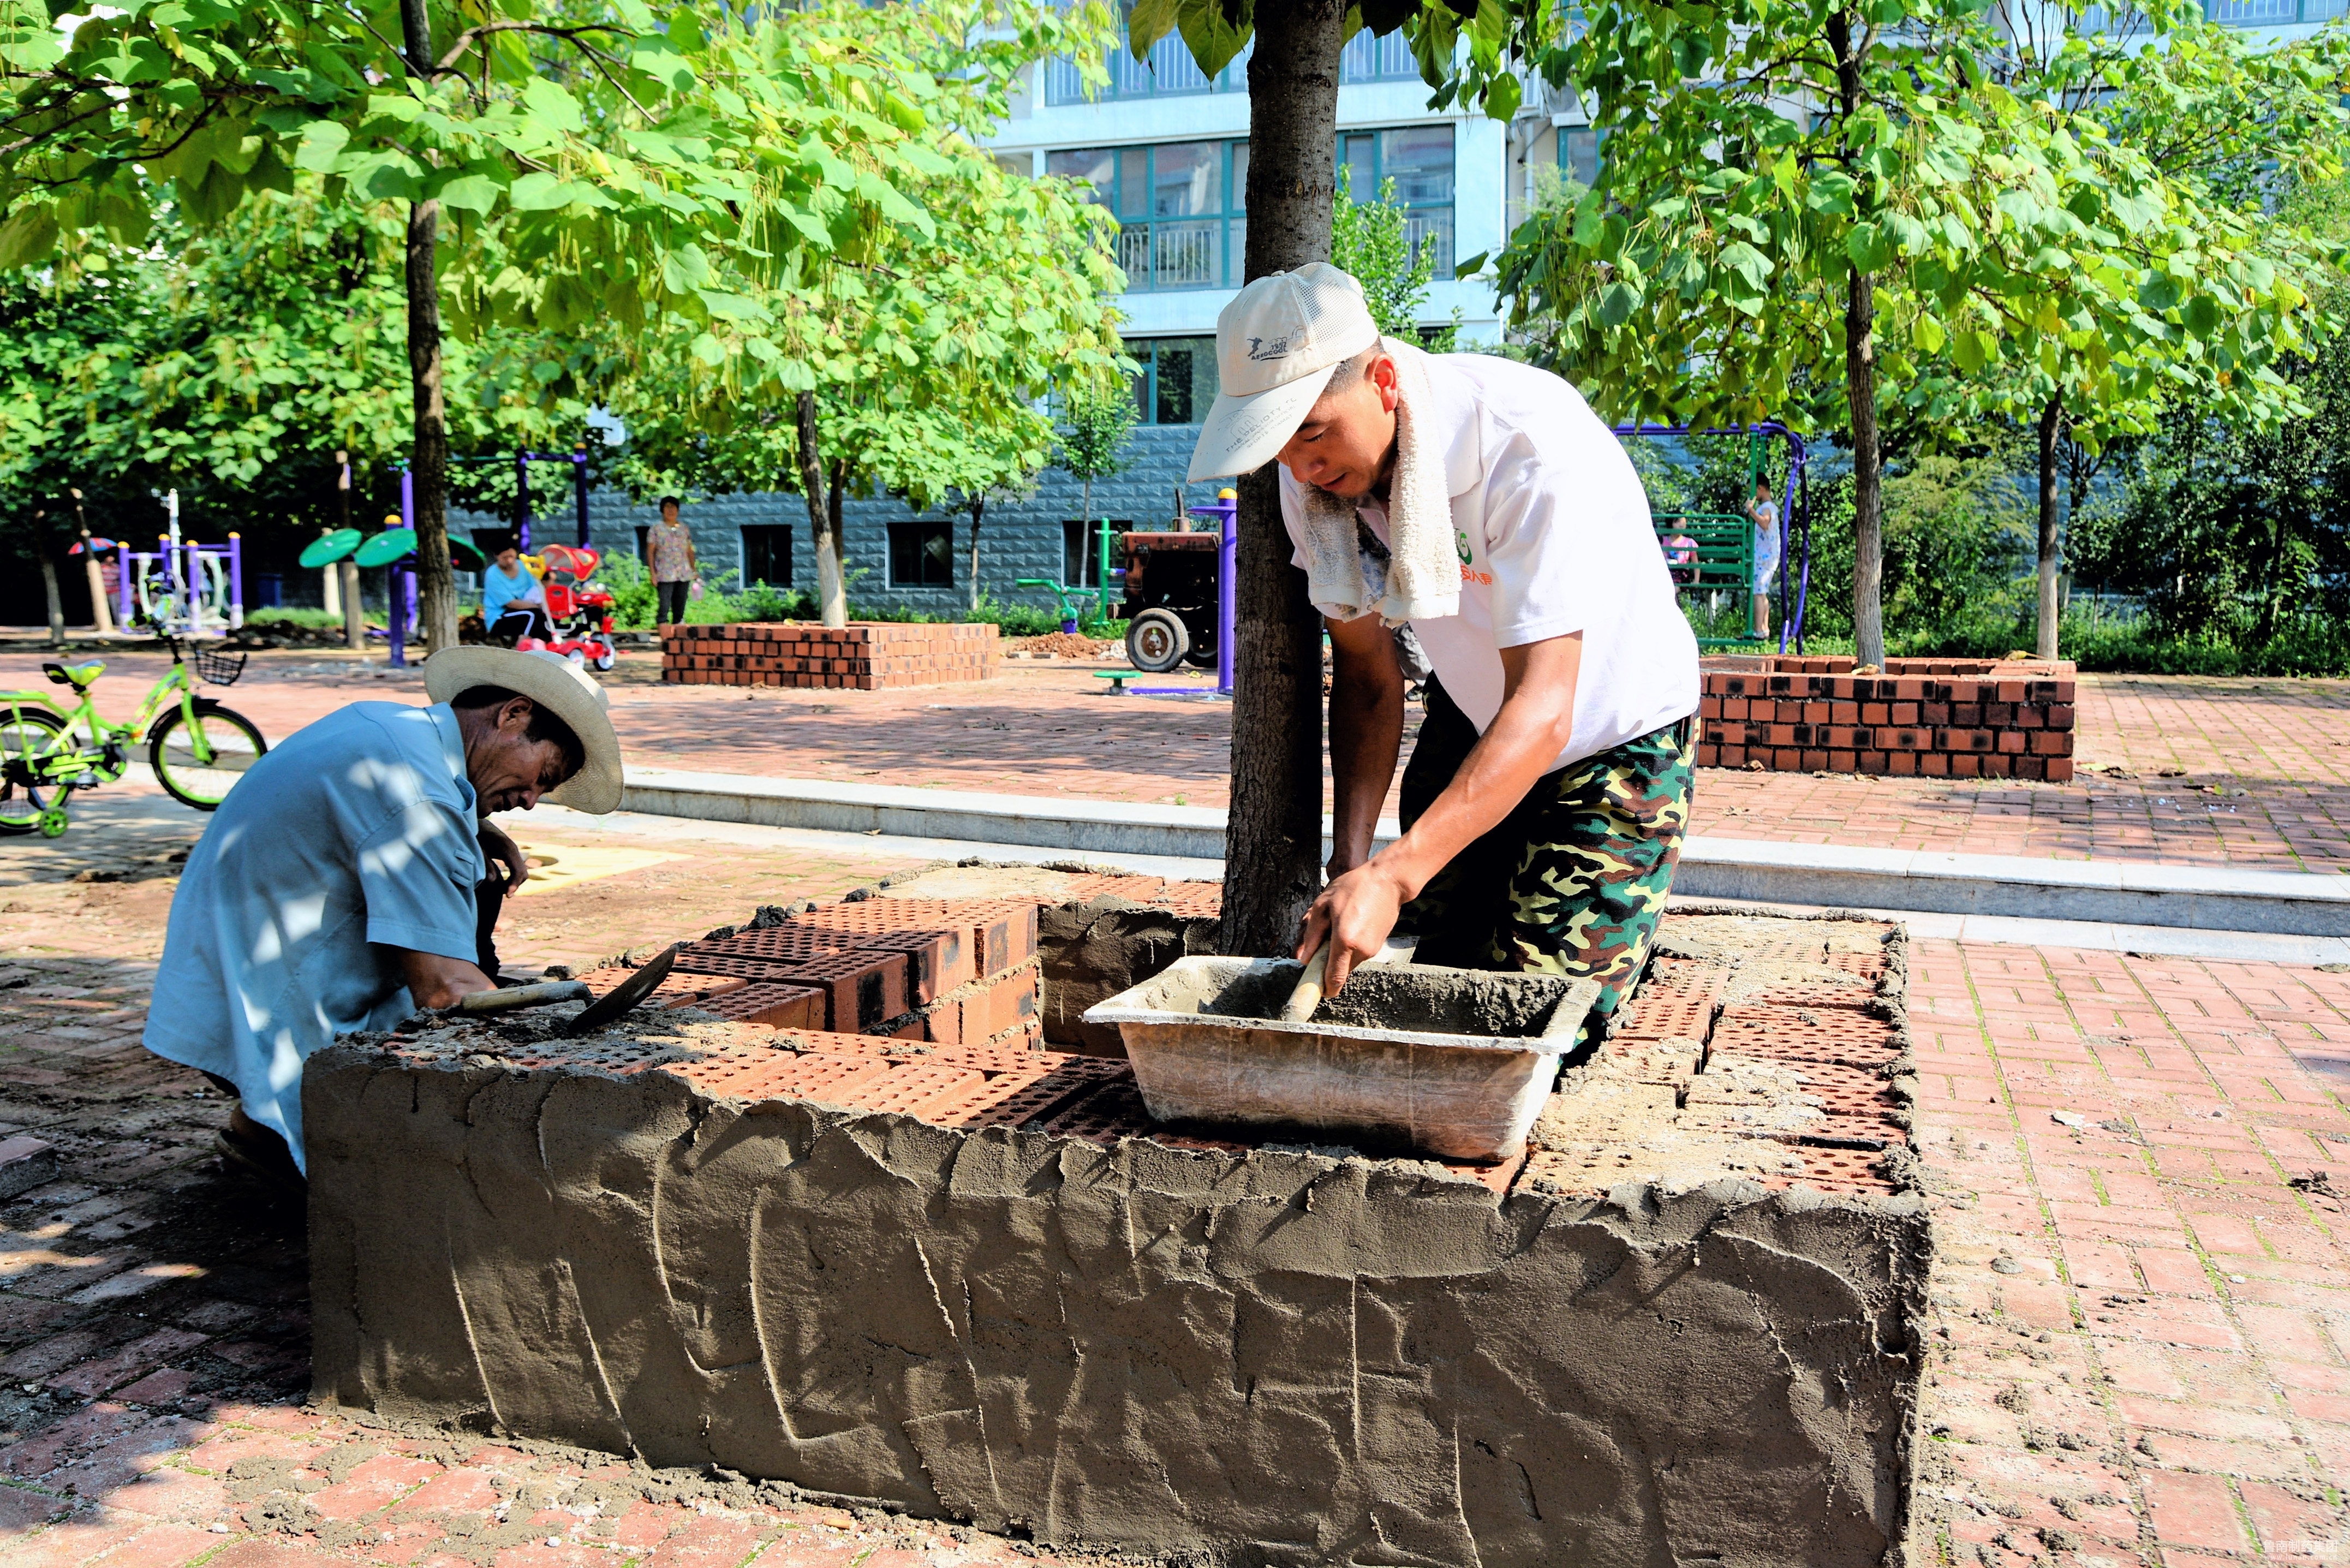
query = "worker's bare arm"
{"x": 436, "y": 981}
{"x": 1365, "y": 732}
{"x": 1357, "y": 910}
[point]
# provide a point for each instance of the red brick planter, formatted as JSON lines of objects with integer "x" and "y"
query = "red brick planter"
{"x": 1930, "y": 718}
{"x": 867, "y": 656}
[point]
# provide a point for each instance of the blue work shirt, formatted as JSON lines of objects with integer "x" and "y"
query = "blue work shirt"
{"x": 355, "y": 837}
{"x": 498, "y": 590}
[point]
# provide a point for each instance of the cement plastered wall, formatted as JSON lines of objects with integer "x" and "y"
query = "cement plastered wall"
{"x": 1264, "y": 1357}
{"x": 1017, "y": 538}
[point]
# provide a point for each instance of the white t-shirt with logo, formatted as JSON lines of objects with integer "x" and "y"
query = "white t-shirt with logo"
{"x": 1553, "y": 534}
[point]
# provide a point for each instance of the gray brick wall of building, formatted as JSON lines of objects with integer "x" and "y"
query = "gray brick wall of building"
{"x": 1017, "y": 539}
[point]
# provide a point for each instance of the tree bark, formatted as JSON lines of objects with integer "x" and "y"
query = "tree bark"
{"x": 101, "y": 613}
{"x": 978, "y": 510}
{"x": 2051, "y": 424}
{"x": 832, "y": 605}
{"x": 1860, "y": 392}
{"x": 1272, "y": 846}
{"x": 57, "y": 599}
{"x": 436, "y": 583}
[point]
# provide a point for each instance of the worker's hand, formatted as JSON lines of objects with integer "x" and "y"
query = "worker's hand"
{"x": 434, "y": 981}
{"x": 1356, "y": 913}
{"x": 505, "y": 855}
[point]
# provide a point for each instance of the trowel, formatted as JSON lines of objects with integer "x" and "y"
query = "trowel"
{"x": 616, "y": 1003}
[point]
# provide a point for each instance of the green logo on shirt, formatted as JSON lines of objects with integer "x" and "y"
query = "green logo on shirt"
{"x": 1460, "y": 543}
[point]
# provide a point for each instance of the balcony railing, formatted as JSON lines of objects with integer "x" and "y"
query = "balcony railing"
{"x": 1170, "y": 72}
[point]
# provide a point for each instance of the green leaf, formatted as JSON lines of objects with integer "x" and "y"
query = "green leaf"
{"x": 469, "y": 192}
{"x": 550, "y": 105}
{"x": 1502, "y": 95}
{"x": 1212, "y": 39}
{"x": 539, "y": 190}
{"x": 1866, "y": 247}
{"x": 323, "y": 141}
{"x": 28, "y": 235}
{"x": 1472, "y": 267}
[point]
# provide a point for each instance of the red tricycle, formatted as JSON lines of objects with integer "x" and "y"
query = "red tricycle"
{"x": 579, "y": 606}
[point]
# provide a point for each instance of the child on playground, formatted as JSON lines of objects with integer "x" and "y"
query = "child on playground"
{"x": 1765, "y": 513}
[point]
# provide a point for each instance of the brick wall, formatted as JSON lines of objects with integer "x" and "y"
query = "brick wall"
{"x": 866, "y": 657}
{"x": 1929, "y": 718}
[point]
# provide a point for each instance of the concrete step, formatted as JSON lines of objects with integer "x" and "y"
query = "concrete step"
{"x": 2118, "y": 892}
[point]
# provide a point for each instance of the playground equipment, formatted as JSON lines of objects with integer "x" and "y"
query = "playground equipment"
{"x": 391, "y": 550}
{"x": 1714, "y": 551}
{"x": 197, "y": 748}
{"x": 579, "y": 606}
{"x": 1178, "y": 594}
{"x": 192, "y": 589}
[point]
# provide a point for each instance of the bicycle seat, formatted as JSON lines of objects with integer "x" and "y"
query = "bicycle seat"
{"x": 77, "y": 676}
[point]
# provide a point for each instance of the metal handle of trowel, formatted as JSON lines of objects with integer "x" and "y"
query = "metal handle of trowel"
{"x": 1307, "y": 996}
{"x": 507, "y": 1000}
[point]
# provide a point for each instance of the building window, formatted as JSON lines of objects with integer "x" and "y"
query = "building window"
{"x": 767, "y": 555}
{"x": 1418, "y": 159}
{"x": 1182, "y": 206}
{"x": 1168, "y": 70}
{"x": 1178, "y": 381}
{"x": 1081, "y": 553}
{"x": 1579, "y": 151}
{"x": 1177, "y": 207}
{"x": 922, "y": 554}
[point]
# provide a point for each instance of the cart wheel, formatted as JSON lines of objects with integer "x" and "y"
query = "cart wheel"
{"x": 1155, "y": 641}
{"x": 606, "y": 660}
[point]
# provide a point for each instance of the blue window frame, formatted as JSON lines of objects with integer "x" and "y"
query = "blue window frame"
{"x": 1178, "y": 206}
{"x": 1581, "y": 149}
{"x": 1169, "y": 71}
{"x": 1418, "y": 159}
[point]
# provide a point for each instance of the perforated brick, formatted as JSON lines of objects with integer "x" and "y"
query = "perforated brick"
{"x": 907, "y": 1088}
{"x": 1004, "y": 932}
{"x": 1805, "y": 1035}
{"x": 826, "y": 1042}
{"x": 702, "y": 961}
{"x": 1014, "y": 1099}
{"x": 786, "y": 942}
{"x": 984, "y": 1009}
{"x": 1664, "y": 1016}
{"x": 1113, "y": 1111}
{"x": 772, "y": 1003}
{"x": 676, "y": 990}
{"x": 937, "y": 961}
{"x": 784, "y": 1076}
{"x": 863, "y": 989}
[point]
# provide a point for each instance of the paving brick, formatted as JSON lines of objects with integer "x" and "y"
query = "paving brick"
{"x": 2194, "y": 1511}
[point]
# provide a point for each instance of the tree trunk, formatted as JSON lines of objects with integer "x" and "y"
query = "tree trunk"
{"x": 832, "y": 502}
{"x": 1860, "y": 392}
{"x": 436, "y": 583}
{"x": 831, "y": 604}
{"x": 978, "y": 509}
{"x": 1272, "y": 848}
{"x": 101, "y": 613}
{"x": 354, "y": 612}
{"x": 57, "y": 599}
{"x": 2052, "y": 422}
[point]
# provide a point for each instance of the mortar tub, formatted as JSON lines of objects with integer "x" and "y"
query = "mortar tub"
{"x": 1452, "y": 1062}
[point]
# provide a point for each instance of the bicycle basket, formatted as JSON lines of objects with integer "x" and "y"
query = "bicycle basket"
{"x": 220, "y": 669}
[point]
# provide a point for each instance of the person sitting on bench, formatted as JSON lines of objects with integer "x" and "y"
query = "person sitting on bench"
{"x": 514, "y": 605}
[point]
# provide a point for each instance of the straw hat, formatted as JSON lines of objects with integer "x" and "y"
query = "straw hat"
{"x": 559, "y": 686}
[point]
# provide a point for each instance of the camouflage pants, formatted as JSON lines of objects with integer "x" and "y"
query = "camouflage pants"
{"x": 1572, "y": 881}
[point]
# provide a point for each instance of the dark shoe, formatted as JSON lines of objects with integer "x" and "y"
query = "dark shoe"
{"x": 261, "y": 1153}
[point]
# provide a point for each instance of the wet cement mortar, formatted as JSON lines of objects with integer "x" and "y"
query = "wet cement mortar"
{"x": 1273, "y": 1355}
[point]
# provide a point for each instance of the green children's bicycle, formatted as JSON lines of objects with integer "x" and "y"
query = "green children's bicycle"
{"x": 197, "y": 748}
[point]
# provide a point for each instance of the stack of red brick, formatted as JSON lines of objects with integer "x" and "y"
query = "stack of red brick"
{"x": 1930, "y": 718}
{"x": 1695, "y": 1015}
{"x": 866, "y": 657}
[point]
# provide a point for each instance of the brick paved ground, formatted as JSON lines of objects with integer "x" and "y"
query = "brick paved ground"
{"x": 2262, "y": 768}
{"x": 2140, "y": 1349}
{"x": 2141, "y": 1346}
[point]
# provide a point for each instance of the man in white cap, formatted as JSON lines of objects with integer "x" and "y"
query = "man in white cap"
{"x": 1481, "y": 501}
{"x": 335, "y": 888}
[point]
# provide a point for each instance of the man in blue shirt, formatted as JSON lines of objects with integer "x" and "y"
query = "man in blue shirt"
{"x": 334, "y": 889}
{"x": 511, "y": 592}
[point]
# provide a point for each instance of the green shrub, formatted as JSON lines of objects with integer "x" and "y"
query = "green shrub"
{"x": 294, "y": 614}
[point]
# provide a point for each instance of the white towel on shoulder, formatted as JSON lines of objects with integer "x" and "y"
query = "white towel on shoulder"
{"x": 1422, "y": 580}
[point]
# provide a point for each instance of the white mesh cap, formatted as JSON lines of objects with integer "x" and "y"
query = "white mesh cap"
{"x": 1276, "y": 344}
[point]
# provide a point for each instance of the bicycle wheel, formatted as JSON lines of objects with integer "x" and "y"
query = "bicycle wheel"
{"x": 230, "y": 739}
{"x": 25, "y": 733}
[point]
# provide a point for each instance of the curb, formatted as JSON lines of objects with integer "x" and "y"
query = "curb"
{"x": 2116, "y": 892}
